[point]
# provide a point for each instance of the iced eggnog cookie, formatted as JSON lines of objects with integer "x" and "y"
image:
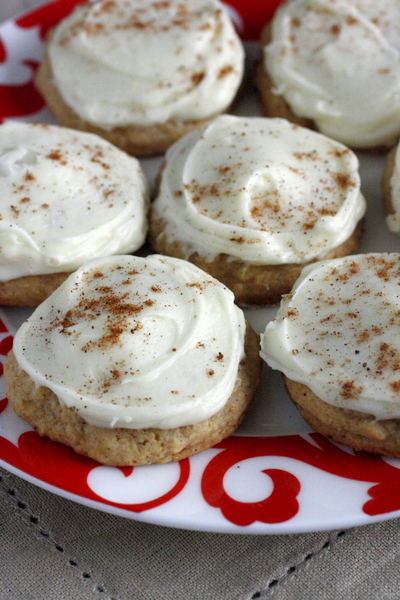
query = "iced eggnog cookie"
{"x": 251, "y": 200}
{"x": 336, "y": 339}
{"x": 142, "y": 73}
{"x": 135, "y": 360}
{"x": 335, "y": 65}
{"x": 65, "y": 197}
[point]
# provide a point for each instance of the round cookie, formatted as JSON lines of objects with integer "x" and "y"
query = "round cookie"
{"x": 335, "y": 339}
{"x": 252, "y": 200}
{"x": 65, "y": 197}
{"x": 334, "y": 67}
{"x": 30, "y": 291}
{"x": 135, "y": 361}
{"x": 142, "y": 74}
{"x": 345, "y": 426}
{"x": 273, "y": 104}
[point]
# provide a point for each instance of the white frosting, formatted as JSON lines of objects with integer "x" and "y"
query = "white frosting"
{"x": 262, "y": 190}
{"x": 338, "y": 333}
{"x": 337, "y": 62}
{"x": 119, "y": 62}
{"x": 393, "y": 220}
{"x": 136, "y": 342}
{"x": 65, "y": 197}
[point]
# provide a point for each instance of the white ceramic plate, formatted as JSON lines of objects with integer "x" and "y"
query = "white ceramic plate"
{"x": 275, "y": 475}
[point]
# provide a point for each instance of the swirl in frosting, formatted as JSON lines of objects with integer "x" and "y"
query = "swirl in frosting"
{"x": 118, "y": 62}
{"x": 65, "y": 197}
{"x": 136, "y": 342}
{"x": 262, "y": 190}
{"x": 337, "y": 333}
{"x": 337, "y": 62}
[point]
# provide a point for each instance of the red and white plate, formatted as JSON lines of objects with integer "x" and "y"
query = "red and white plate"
{"x": 275, "y": 475}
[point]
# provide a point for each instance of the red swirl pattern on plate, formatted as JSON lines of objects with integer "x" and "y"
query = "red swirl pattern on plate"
{"x": 282, "y": 504}
{"x": 3, "y": 52}
{"x": 59, "y": 466}
{"x": 69, "y": 471}
{"x": 45, "y": 17}
{"x": 4, "y": 401}
{"x": 254, "y": 14}
{"x": 22, "y": 99}
{"x": 6, "y": 345}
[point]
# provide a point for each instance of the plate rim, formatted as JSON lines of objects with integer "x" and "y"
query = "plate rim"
{"x": 221, "y": 525}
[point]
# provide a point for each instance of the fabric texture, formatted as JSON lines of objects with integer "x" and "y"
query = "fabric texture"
{"x": 53, "y": 548}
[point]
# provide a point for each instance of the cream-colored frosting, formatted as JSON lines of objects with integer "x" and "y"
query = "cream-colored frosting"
{"x": 262, "y": 190}
{"x": 136, "y": 342}
{"x": 65, "y": 197}
{"x": 393, "y": 219}
{"x": 338, "y": 333}
{"x": 337, "y": 62}
{"x": 118, "y": 62}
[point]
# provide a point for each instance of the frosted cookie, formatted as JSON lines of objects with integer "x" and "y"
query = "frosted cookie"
{"x": 65, "y": 197}
{"x": 139, "y": 73}
{"x": 134, "y": 361}
{"x": 336, "y": 340}
{"x": 251, "y": 200}
{"x": 335, "y": 65}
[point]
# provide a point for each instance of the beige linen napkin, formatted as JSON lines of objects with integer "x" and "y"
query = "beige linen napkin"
{"x": 9, "y": 8}
{"x": 55, "y": 549}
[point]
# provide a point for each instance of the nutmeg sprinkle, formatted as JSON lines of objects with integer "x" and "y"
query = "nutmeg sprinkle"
{"x": 262, "y": 190}
{"x": 126, "y": 341}
{"x": 195, "y": 77}
{"x": 349, "y": 358}
{"x": 64, "y": 199}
